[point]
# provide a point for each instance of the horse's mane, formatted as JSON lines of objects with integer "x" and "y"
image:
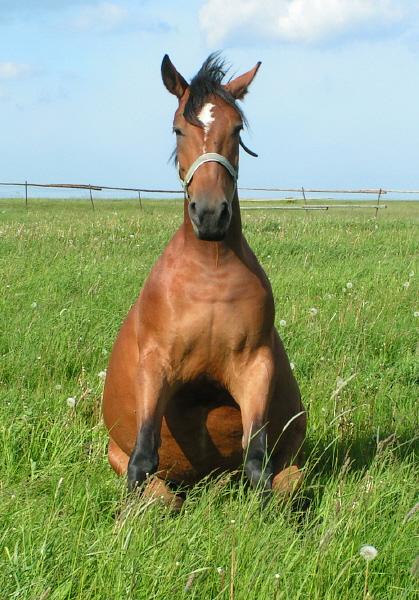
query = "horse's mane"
{"x": 208, "y": 82}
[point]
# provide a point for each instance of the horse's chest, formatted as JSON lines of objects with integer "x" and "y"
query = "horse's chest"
{"x": 212, "y": 324}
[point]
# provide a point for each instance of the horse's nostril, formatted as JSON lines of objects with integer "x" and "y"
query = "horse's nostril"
{"x": 192, "y": 206}
{"x": 224, "y": 209}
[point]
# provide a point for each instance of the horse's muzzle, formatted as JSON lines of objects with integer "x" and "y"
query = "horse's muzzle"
{"x": 210, "y": 222}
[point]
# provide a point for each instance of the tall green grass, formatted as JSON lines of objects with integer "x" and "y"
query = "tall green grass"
{"x": 67, "y": 528}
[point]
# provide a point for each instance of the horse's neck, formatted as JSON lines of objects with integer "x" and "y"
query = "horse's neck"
{"x": 232, "y": 241}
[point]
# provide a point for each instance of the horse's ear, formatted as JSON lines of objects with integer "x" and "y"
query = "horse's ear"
{"x": 173, "y": 80}
{"x": 238, "y": 86}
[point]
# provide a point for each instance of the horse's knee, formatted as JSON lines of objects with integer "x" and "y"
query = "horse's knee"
{"x": 156, "y": 489}
{"x": 144, "y": 459}
{"x": 286, "y": 482}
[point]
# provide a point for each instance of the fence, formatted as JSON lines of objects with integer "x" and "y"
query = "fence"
{"x": 302, "y": 195}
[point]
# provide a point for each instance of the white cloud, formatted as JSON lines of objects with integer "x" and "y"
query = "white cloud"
{"x": 12, "y": 70}
{"x": 102, "y": 16}
{"x": 304, "y": 21}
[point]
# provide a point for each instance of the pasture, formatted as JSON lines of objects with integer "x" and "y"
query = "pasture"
{"x": 345, "y": 286}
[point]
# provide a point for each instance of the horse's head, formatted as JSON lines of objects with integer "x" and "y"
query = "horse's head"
{"x": 207, "y": 125}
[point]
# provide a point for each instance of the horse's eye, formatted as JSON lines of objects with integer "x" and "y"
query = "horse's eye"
{"x": 177, "y": 131}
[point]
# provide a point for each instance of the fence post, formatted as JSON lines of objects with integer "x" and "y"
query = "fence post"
{"x": 91, "y": 196}
{"x": 26, "y": 194}
{"x": 305, "y": 200}
{"x": 378, "y": 202}
{"x": 139, "y": 199}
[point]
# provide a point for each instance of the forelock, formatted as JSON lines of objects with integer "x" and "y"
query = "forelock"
{"x": 206, "y": 83}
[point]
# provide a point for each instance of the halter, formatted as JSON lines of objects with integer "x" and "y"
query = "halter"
{"x": 204, "y": 158}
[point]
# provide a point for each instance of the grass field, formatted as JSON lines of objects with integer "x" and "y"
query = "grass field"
{"x": 345, "y": 287}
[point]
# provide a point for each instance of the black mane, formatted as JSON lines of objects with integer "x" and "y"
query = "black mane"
{"x": 208, "y": 82}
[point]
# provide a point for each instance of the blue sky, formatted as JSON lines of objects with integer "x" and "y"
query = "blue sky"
{"x": 335, "y": 103}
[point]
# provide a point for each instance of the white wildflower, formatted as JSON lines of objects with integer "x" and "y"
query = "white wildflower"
{"x": 34, "y": 305}
{"x": 406, "y": 284}
{"x": 368, "y": 552}
{"x": 220, "y": 570}
{"x": 282, "y": 322}
{"x": 313, "y": 311}
{"x": 292, "y": 366}
{"x": 349, "y": 285}
{"x": 416, "y": 313}
{"x": 277, "y": 576}
{"x": 71, "y": 402}
{"x": 233, "y": 521}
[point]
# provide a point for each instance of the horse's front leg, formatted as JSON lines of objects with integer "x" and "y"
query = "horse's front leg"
{"x": 252, "y": 389}
{"x": 151, "y": 398}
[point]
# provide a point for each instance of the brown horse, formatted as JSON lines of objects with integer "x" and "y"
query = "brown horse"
{"x": 198, "y": 376}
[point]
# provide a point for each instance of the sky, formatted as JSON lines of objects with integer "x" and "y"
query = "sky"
{"x": 335, "y": 102}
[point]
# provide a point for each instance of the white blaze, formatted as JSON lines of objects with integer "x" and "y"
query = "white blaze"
{"x": 206, "y": 117}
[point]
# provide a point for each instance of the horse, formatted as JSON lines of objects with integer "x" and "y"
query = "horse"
{"x": 198, "y": 380}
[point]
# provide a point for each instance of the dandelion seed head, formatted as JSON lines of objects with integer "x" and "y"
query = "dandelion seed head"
{"x": 349, "y": 285}
{"x": 220, "y": 570}
{"x": 406, "y": 284}
{"x": 416, "y": 313}
{"x": 368, "y": 552}
{"x": 313, "y": 311}
{"x": 102, "y": 375}
{"x": 71, "y": 402}
{"x": 292, "y": 366}
{"x": 34, "y": 305}
{"x": 282, "y": 322}
{"x": 276, "y": 575}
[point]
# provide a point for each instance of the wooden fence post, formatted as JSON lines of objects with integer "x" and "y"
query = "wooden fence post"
{"x": 378, "y": 202}
{"x": 305, "y": 199}
{"x": 91, "y": 196}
